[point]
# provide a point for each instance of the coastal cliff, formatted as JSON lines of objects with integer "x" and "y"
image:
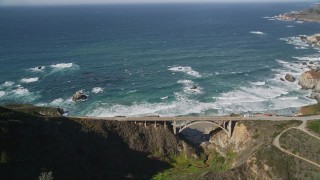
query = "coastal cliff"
{"x": 33, "y": 145}
{"x": 308, "y": 15}
{"x": 81, "y": 148}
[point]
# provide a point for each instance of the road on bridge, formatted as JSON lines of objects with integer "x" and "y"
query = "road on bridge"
{"x": 205, "y": 118}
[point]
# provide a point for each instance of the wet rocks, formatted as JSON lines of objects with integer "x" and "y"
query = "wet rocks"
{"x": 315, "y": 96}
{"x": 309, "y": 79}
{"x": 313, "y": 40}
{"x": 281, "y": 79}
{"x": 194, "y": 87}
{"x": 79, "y": 96}
{"x": 289, "y": 78}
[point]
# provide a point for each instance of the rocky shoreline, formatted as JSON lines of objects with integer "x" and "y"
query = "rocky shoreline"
{"x": 307, "y": 15}
{"x": 309, "y": 79}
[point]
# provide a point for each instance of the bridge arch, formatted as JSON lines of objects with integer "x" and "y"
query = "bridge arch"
{"x": 200, "y": 122}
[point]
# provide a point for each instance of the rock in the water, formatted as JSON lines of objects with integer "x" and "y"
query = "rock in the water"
{"x": 310, "y": 62}
{"x": 309, "y": 79}
{"x": 315, "y": 68}
{"x": 304, "y": 63}
{"x": 289, "y": 78}
{"x": 79, "y": 96}
{"x": 39, "y": 67}
{"x": 282, "y": 79}
{"x": 194, "y": 87}
{"x": 313, "y": 95}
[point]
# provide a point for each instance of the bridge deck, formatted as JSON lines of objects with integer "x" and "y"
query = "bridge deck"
{"x": 204, "y": 118}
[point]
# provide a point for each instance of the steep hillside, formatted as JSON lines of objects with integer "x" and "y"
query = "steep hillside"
{"x": 79, "y": 149}
{"x": 37, "y": 140}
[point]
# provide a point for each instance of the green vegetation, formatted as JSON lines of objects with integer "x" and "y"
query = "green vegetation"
{"x": 281, "y": 164}
{"x": 310, "y": 110}
{"x": 314, "y": 126}
{"x": 302, "y": 144}
{"x": 186, "y": 168}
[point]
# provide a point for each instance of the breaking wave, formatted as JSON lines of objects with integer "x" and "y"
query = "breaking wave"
{"x": 187, "y": 70}
{"x": 29, "y": 80}
{"x": 37, "y": 69}
{"x": 2, "y": 93}
{"x": 62, "y": 65}
{"x": 257, "y": 32}
{"x": 7, "y": 84}
{"x": 97, "y": 90}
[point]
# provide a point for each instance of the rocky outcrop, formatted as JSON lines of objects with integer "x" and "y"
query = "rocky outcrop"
{"x": 240, "y": 141}
{"x": 308, "y": 15}
{"x": 313, "y": 40}
{"x": 309, "y": 79}
{"x": 79, "y": 96}
{"x": 315, "y": 96}
{"x": 194, "y": 87}
{"x": 289, "y": 78}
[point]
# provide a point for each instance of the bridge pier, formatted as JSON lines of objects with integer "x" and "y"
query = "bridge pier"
{"x": 229, "y": 128}
{"x": 174, "y": 127}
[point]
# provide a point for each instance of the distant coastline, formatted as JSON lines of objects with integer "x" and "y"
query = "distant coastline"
{"x": 307, "y": 15}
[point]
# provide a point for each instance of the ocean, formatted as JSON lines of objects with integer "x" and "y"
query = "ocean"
{"x": 141, "y": 60}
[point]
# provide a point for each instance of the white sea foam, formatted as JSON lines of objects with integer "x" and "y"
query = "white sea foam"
{"x": 259, "y": 96}
{"x": 29, "y": 80}
{"x": 290, "y": 68}
{"x": 290, "y": 26}
{"x": 21, "y": 91}
{"x": 7, "y": 84}
{"x": 257, "y": 32}
{"x": 309, "y": 58}
{"x": 296, "y": 41}
{"x": 258, "y": 100}
{"x": 190, "y": 87}
{"x": 258, "y": 83}
{"x": 185, "y": 69}
{"x": 182, "y": 106}
{"x": 163, "y": 98}
{"x": 62, "y": 66}
{"x": 297, "y": 47}
{"x": 288, "y": 98}
{"x": 97, "y": 90}
{"x": 2, "y": 93}
{"x": 57, "y": 101}
{"x": 267, "y": 17}
{"x": 38, "y": 69}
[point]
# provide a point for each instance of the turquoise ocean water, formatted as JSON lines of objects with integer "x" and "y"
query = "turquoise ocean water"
{"x": 137, "y": 60}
